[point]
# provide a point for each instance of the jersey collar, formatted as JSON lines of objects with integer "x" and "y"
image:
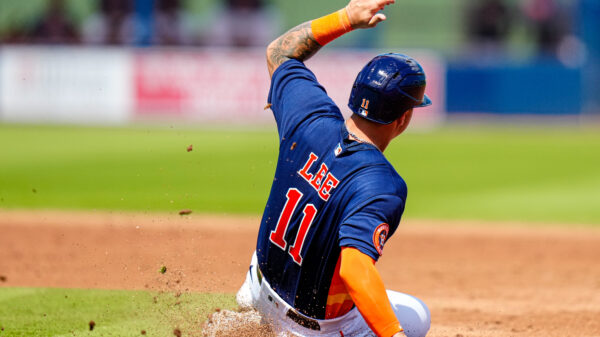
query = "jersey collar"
{"x": 351, "y": 145}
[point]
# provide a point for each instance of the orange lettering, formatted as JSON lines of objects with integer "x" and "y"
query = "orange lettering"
{"x": 316, "y": 181}
{"x": 329, "y": 183}
{"x": 304, "y": 172}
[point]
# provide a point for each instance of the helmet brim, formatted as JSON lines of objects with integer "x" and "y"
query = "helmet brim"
{"x": 425, "y": 102}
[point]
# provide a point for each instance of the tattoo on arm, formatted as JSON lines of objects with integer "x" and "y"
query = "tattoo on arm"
{"x": 298, "y": 43}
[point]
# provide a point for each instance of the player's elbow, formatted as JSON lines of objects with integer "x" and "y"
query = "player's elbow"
{"x": 272, "y": 60}
{"x": 269, "y": 50}
{"x": 274, "y": 50}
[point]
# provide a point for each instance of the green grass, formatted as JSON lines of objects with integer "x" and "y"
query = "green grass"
{"x": 546, "y": 174}
{"x": 141, "y": 169}
{"x": 67, "y": 312}
{"x": 502, "y": 173}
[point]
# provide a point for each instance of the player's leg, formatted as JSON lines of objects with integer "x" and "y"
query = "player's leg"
{"x": 248, "y": 294}
{"x": 412, "y": 313}
{"x": 255, "y": 294}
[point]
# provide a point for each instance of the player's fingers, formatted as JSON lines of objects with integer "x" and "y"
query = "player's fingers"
{"x": 383, "y": 3}
{"x": 380, "y": 5}
{"x": 377, "y": 18}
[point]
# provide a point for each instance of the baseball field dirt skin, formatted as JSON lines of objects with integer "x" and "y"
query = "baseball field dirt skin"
{"x": 478, "y": 279}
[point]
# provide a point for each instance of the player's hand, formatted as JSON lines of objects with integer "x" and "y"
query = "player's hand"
{"x": 364, "y": 13}
{"x": 399, "y": 334}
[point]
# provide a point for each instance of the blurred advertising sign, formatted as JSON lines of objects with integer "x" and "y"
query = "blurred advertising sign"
{"x": 117, "y": 85}
{"x": 222, "y": 85}
{"x": 205, "y": 85}
{"x": 65, "y": 85}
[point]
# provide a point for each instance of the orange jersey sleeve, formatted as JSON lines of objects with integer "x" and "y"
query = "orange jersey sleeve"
{"x": 364, "y": 284}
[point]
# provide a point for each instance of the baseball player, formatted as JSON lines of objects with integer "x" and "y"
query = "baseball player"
{"x": 335, "y": 199}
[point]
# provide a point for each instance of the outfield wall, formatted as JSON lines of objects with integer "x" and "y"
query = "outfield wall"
{"x": 544, "y": 87}
{"x": 119, "y": 86}
{"x": 57, "y": 85}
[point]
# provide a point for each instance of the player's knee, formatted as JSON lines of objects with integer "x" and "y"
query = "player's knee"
{"x": 244, "y": 295}
{"x": 412, "y": 313}
{"x": 248, "y": 292}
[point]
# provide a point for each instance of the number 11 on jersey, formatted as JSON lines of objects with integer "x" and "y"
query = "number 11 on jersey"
{"x": 293, "y": 196}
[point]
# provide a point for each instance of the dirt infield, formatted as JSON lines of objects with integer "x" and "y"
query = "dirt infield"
{"x": 493, "y": 281}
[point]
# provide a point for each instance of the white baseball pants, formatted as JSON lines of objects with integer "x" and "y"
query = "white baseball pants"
{"x": 256, "y": 293}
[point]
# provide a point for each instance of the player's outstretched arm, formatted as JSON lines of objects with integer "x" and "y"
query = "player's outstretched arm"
{"x": 366, "y": 288}
{"x": 303, "y": 41}
{"x": 298, "y": 43}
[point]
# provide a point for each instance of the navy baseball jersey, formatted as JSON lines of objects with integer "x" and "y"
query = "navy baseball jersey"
{"x": 329, "y": 192}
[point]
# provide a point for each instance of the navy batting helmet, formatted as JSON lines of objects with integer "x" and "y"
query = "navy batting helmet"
{"x": 388, "y": 86}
